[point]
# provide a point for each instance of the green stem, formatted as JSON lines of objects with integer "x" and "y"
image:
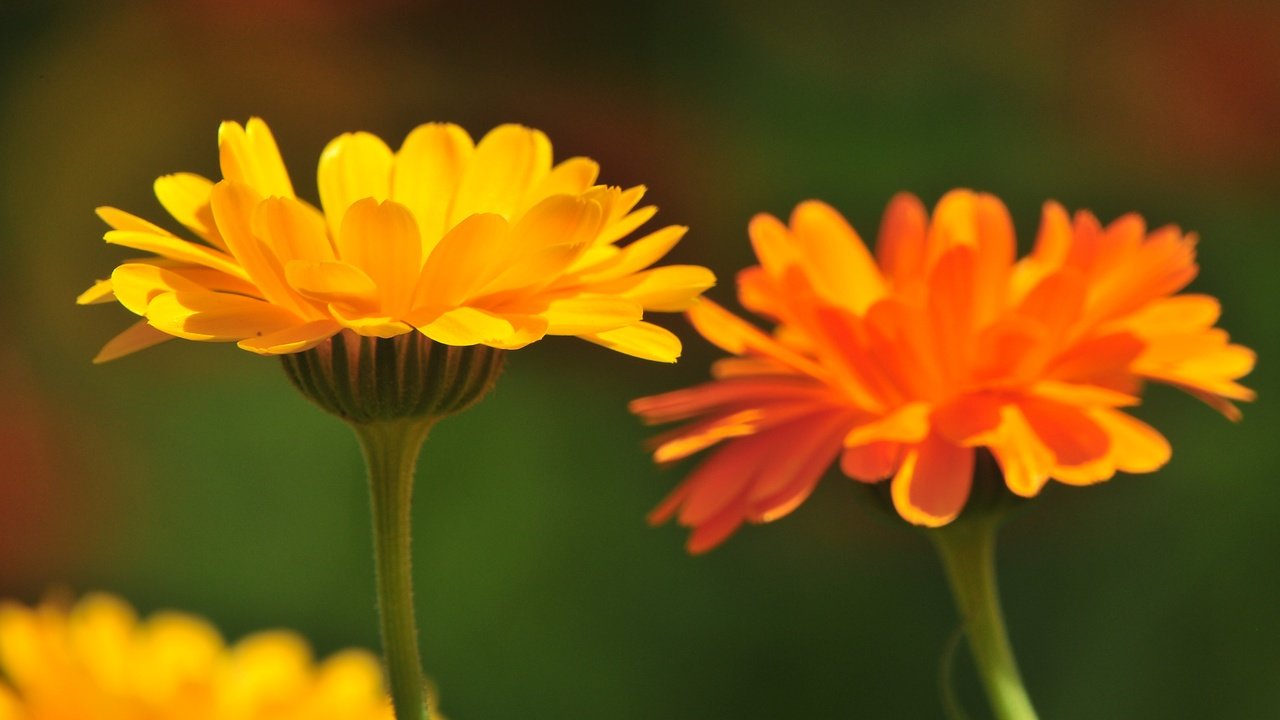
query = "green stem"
{"x": 391, "y": 452}
{"x": 967, "y": 548}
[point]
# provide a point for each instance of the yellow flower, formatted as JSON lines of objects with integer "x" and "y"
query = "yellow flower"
{"x": 468, "y": 243}
{"x": 98, "y": 660}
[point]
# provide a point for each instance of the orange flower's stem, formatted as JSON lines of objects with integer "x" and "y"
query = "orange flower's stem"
{"x": 967, "y": 548}
{"x": 391, "y": 450}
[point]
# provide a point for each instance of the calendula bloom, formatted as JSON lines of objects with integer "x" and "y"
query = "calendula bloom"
{"x": 467, "y": 243}
{"x": 98, "y": 660}
{"x": 905, "y": 364}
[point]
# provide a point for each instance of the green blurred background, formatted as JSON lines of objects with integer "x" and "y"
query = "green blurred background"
{"x": 191, "y": 476}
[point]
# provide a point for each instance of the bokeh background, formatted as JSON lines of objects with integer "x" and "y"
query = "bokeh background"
{"x": 193, "y": 477}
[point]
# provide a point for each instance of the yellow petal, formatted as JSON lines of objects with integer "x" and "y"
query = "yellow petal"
{"x": 509, "y": 161}
{"x": 544, "y": 243}
{"x": 615, "y": 230}
{"x": 671, "y": 288}
{"x": 591, "y": 314}
{"x": 382, "y": 239}
{"x": 139, "y": 336}
{"x": 234, "y": 206}
{"x": 353, "y": 166}
{"x": 467, "y": 326}
{"x": 557, "y": 220}
{"x": 171, "y": 247}
{"x": 369, "y": 323}
{"x": 428, "y": 169}
{"x": 462, "y": 262}
{"x": 121, "y": 220}
{"x": 137, "y": 284}
{"x": 349, "y": 682}
{"x": 291, "y": 340}
{"x": 186, "y": 197}
{"x": 333, "y": 282}
{"x": 643, "y": 340}
{"x": 216, "y": 316}
{"x": 525, "y": 329}
{"x": 100, "y": 292}
{"x": 249, "y": 154}
{"x": 635, "y": 256}
{"x": 570, "y": 177}
{"x": 292, "y": 229}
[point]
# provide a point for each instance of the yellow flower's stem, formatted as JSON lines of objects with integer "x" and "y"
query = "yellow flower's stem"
{"x": 391, "y": 451}
{"x": 967, "y": 548}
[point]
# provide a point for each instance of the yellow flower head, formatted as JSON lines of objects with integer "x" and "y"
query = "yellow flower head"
{"x": 904, "y": 364}
{"x": 98, "y": 660}
{"x": 467, "y": 243}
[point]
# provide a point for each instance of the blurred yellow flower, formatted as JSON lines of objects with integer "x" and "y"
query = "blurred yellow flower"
{"x": 905, "y": 363}
{"x": 99, "y": 661}
{"x": 468, "y": 243}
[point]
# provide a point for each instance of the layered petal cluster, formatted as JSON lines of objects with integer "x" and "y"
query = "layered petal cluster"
{"x": 466, "y": 242}
{"x": 98, "y": 660}
{"x": 902, "y": 364}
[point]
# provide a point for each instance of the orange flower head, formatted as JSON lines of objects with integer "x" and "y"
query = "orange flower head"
{"x": 903, "y": 364}
{"x": 467, "y": 243}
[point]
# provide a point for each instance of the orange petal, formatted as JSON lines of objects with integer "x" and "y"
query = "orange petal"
{"x": 1136, "y": 447}
{"x": 1069, "y": 432}
{"x": 838, "y": 262}
{"x": 932, "y": 484}
{"x": 1024, "y": 460}
{"x": 907, "y": 424}
{"x": 731, "y": 334}
{"x": 788, "y": 477}
{"x": 872, "y": 462}
{"x": 708, "y": 535}
{"x": 713, "y": 396}
{"x": 723, "y": 479}
{"x": 900, "y": 245}
{"x": 967, "y": 419}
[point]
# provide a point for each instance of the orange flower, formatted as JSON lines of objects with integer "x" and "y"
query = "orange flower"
{"x": 904, "y": 364}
